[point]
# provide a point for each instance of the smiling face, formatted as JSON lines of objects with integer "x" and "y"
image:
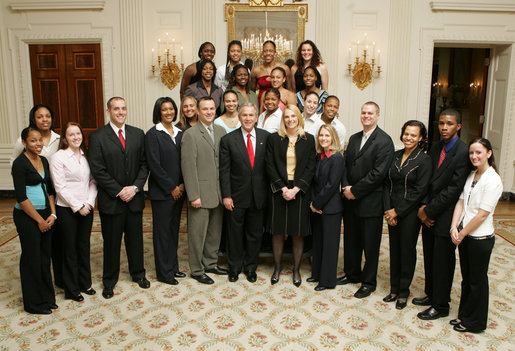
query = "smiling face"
{"x": 448, "y": 127}
{"x": 271, "y": 102}
{"x": 167, "y": 113}
{"x": 189, "y": 108}
{"x": 324, "y": 139}
{"x": 74, "y": 137}
{"x": 117, "y": 112}
{"x": 291, "y": 122}
{"x": 310, "y": 104}
{"x": 306, "y": 51}
{"x": 230, "y": 102}
{"x": 331, "y": 107}
{"x": 208, "y": 71}
{"x": 369, "y": 117}
{"x": 248, "y": 118}
{"x": 268, "y": 52}
{"x": 309, "y": 77}
{"x": 242, "y": 77}
{"x": 235, "y": 53}
{"x": 207, "y": 52}
{"x": 411, "y": 137}
{"x": 479, "y": 155}
{"x": 277, "y": 78}
{"x": 34, "y": 143}
{"x": 43, "y": 119}
{"x": 206, "y": 111}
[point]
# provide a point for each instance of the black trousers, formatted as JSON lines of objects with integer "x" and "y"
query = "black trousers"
{"x": 326, "y": 229}
{"x": 36, "y": 278}
{"x": 474, "y": 261}
{"x": 113, "y": 228}
{"x": 403, "y": 253}
{"x": 361, "y": 235}
{"x": 244, "y": 233}
{"x": 166, "y": 219}
{"x": 75, "y": 231}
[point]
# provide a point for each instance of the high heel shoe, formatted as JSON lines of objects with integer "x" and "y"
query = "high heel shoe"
{"x": 275, "y": 276}
{"x": 296, "y": 281}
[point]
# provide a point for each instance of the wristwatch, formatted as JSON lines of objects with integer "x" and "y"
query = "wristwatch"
{"x": 136, "y": 189}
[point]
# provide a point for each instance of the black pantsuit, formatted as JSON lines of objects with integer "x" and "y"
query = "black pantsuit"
{"x": 326, "y": 244}
{"x": 474, "y": 261}
{"x": 36, "y": 279}
{"x": 76, "y": 230}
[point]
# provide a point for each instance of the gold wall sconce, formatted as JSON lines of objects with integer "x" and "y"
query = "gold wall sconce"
{"x": 167, "y": 67}
{"x": 366, "y": 65}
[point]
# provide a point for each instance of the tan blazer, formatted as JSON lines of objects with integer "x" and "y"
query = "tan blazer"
{"x": 199, "y": 162}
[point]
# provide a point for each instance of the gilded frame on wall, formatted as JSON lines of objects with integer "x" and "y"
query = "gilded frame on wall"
{"x": 231, "y": 17}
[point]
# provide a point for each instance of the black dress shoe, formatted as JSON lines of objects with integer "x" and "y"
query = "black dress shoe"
{"x": 319, "y": 288}
{"x": 107, "y": 293}
{"x": 344, "y": 280}
{"x": 233, "y": 277}
{"x": 90, "y": 291}
{"x": 431, "y": 314}
{"x": 363, "y": 292}
{"x": 297, "y": 280}
{"x": 203, "y": 278}
{"x": 251, "y": 276}
{"x": 390, "y": 298}
{"x": 455, "y": 321}
{"x": 143, "y": 283}
{"x": 45, "y": 311}
{"x": 275, "y": 276}
{"x": 400, "y": 304}
{"x": 53, "y": 306}
{"x": 172, "y": 281}
{"x": 312, "y": 280}
{"x": 179, "y": 275}
{"x": 462, "y": 329}
{"x": 217, "y": 270}
{"x": 422, "y": 301}
{"x": 76, "y": 298}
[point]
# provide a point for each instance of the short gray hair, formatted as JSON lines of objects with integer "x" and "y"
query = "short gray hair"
{"x": 247, "y": 104}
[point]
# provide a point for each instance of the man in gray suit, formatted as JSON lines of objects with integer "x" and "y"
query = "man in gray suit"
{"x": 199, "y": 162}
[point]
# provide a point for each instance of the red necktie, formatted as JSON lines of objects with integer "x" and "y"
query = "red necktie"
{"x": 442, "y": 157}
{"x": 250, "y": 150}
{"x": 122, "y": 139}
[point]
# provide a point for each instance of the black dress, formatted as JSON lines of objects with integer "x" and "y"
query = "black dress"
{"x": 290, "y": 217}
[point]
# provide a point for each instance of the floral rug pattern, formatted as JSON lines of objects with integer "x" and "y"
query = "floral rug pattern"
{"x": 245, "y": 316}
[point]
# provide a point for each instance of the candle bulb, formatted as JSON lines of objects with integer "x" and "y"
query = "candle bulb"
{"x": 152, "y": 56}
{"x": 357, "y": 48}
{"x": 350, "y": 54}
{"x": 378, "y": 57}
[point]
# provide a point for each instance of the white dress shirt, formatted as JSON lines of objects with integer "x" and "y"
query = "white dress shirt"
{"x": 312, "y": 124}
{"x": 484, "y": 195}
{"x": 73, "y": 183}
{"x": 365, "y": 137}
{"x": 161, "y": 128}
{"x": 272, "y": 123}
{"x": 116, "y": 129}
{"x": 252, "y": 138}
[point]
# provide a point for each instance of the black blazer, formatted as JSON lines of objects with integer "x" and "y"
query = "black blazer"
{"x": 366, "y": 170}
{"x": 305, "y": 155}
{"x": 164, "y": 162}
{"x": 325, "y": 193}
{"x": 446, "y": 184}
{"x": 237, "y": 178}
{"x": 113, "y": 167}
{"x": 407, "y": 184}
{"x": 24, "y": 174}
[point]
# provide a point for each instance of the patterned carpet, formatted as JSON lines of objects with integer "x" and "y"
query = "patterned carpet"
{"x": 245, "y": 316}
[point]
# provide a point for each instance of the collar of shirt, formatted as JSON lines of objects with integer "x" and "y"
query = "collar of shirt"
{"x": 450, "y": 144}
{"x": 207, "y": 126}
{"x": 367, "y": 135}
{"x": 53, "y": 137}
{"x": 69, "y": 152}
{"x": 245, "y": 133}
{"x": 313, "y": 119}
{"x": 161, "y": 128}
{"x": 325, "y": 154}
{"x": 115, "y": 129}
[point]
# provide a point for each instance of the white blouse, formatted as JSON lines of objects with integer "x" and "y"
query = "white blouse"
{"x": 272, "y": 123}
{"x": 484, "y": 195}
{"x": 47, "y": 152}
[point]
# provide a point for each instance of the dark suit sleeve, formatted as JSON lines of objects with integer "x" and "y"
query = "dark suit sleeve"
{"x": 449, "y": 196}
{"x": 276, "y": 183}
{"x": 309, "y": 171}
{"x": 225, "y": 167}
{"x": 48, "y": 180}
{"x": 375, "y": 177}
{"x": 414, "y": 197}
{"x": 153, "y": 154}
{"x": 333, "y": 182}
{"x": 141, "y": 178}
{"x": 19, "y": 179}
{"x": 99, "y": 167}
{"x": 387, "y": 203}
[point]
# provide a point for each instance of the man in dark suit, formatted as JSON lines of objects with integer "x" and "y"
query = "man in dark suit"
{"x": 117, "y": 162}
{"x": 451, "y": 167}
{"x": 244, "y": 192}
{"x": 199, "y": 162}
{"x": 368, "y": 158}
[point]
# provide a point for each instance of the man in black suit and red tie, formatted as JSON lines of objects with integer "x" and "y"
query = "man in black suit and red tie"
{"x": 117, "y": 162}
{"x": 367, "y": 159}
{"x": 451, "y": 167}
{"x": 244, "y": 190}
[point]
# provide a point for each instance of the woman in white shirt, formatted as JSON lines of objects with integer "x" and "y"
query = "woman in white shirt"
{"x": 472, "y": 229}
{"x": 76, "y": 192}
{"x": 270, "y": 119}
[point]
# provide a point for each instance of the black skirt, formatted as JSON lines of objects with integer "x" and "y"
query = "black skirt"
{"x": 289, "y": 217}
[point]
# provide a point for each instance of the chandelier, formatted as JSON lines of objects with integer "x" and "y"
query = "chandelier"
{"x": 253, "y": 45}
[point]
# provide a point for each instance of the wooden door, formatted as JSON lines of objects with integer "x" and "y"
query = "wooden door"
{"x": 68, "y": 78}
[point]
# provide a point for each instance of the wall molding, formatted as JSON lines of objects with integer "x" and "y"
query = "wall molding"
{"x": 56, "y": 5}
{"x": 483, "y": 6}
